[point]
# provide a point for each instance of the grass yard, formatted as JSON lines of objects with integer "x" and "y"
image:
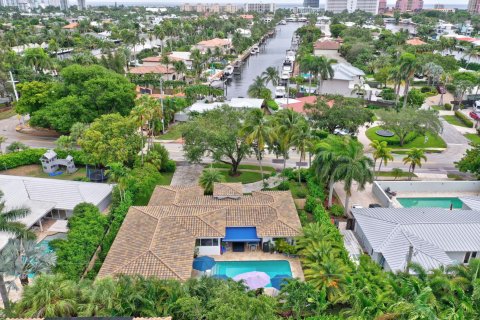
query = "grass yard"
{"x": 35, "y": 170}
{"x": 454, "y": 121}
{"x": 426, "y": 151}
{"x": 473, "y": 137}
{"x": 173, "y": 133}
{"x": 7, "y": 114}
{"x": 390, "y": 174}
{"x": 438, "y": 108}
{"x": 266, "y": 169}
{"x": 434, "y": 141}
{"x": 166, "y": 178}
{"x": 243, "y": 177}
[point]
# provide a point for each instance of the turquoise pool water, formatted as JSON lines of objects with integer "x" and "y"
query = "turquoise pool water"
{"x": 270, "y": 267}
{"x": 430, "y": 202}
{"x": 44, "y": 244}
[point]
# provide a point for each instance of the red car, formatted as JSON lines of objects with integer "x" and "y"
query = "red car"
{"x": 475, "y": 115}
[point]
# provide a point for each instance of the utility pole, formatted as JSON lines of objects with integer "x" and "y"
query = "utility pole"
{"x": 161, "y": 103}
{"x": 13, "y": 85}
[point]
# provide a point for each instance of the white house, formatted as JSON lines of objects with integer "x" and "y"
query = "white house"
{"x": 344, "y": 80}
{"x": 49, "y": 198}
{"x": 431, "y": 237}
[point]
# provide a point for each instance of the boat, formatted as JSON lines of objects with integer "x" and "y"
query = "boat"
{"x": 291, "y": 55}
{"x": 285, "y": 75}
{"x": 280, "y": 92}
{"x": 256, "y": 48}
{"x": 228, "y": 71}
{"x": 282, "y": 22}
{"x": 287, "y": 66}
{"x": 253, "y": 52}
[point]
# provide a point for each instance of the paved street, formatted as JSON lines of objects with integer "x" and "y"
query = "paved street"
{"x": 7, "y": 129}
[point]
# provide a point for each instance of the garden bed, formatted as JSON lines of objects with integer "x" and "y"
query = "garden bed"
{"x": 412, "y": 141}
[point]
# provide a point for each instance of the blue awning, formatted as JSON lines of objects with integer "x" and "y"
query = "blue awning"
{"x": 241, "y": 234}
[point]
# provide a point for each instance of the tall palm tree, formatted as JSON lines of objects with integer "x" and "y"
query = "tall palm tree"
{"x": 8, "y": 221}
{"x": 408, "y": 66}
{"x": 382, "y": 152}
{"x": 414, "y": 158}
{"x": 327, "y": 157}
{"x": 354, "y": 166}
{"x": 180, "y": 68}
{"x": 258, "y": 133}
{"x": 117, "y": 173}
{"x": 270, "y": 75}
{"x": 323, "y": 69}
{"x": 302, "y": 139}
{"x": 285, "y": 124}
{"x": 256, "y": 89}
{"x": 209, "y": 177}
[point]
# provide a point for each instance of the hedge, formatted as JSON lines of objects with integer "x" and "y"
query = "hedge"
{"x": 87, "y": 228}
{"x": 464, "y": 119}
{"x": 32, "y": 156}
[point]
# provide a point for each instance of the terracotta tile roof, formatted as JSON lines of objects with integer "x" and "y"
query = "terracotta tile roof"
{"x": 415, "y": 42}
{"x": 246, "y": 16}
{"x": 72, "y": 25}
{"x": 326, "y": 45}
{"x": 300, "y": 106}
{"x": 227, "y": 190}
{"x": 159, "y": 239}
{"x": 151, "y": 69}
{"x": 152, "y": 59}
{"x": 215, "y": 43}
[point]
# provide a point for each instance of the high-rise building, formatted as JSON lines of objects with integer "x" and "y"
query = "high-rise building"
{"x": 81, "y": 5}
{"x": 259, "y": 7}
{"x": 210, "y": 7}
{"x": 382, "y": 6}
{"x": 64, "y": 5}
{"x": 474, "y": 6}
{"x": 337, "y": 6}
{"x": 409, "y": 5}
{"x": 311, "y": 3}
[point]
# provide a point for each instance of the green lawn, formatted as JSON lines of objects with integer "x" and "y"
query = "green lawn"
{"x": 455, "y": 121}
{"x": 425, "y": 150}
{"x": 473, "y": 137}
{"x": 7, "y": 114}
{"x": 173, "y": 133}
{"x": 243, "y": 177}
{"x": 434, "y": 141}
{"x": 299, "y": 191}
{"x": 166, "y": 178}
{"x": 243, "y": 166}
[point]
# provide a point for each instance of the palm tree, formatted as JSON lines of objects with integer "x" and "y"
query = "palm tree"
{"x": 209, "y": 177}
{"x": 382, "y": 152}
{"x": 307, "y": 65}
{"x": 180, "y": 67}
{"x": 302, "y": 139}
{"x": 354, "y": 166}
{"x": 408, "y": 66}
{"x": 326, "y": 160}
{"x": 323, "y": 69}
{"x": 36, "y": 58}
{"x": 285, "y": 124}
{"x": 257, "y": 132}
{"x": 117, "y": 173}
{"x": 270, "y": 75}
{"x": 3, "y": 139}
{"x": 8, "y": 221}
{"x": 256, "y": 89}
{"x": 414, "y": 158}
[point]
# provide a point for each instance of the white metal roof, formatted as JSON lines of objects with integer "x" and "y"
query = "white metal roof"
{"x": 433, "y": 232}
{"x": 345, "y": 71}
{"x": 42, "y": 195}
{"x": 473, "y": 202}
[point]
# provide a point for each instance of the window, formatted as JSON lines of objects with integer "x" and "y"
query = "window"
{"x": 467, "y": 257}
{"x": 206, "y": 242}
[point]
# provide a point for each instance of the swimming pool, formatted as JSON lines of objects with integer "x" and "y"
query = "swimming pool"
{"x": 270, "y": 267}
{"x": 431, "y": 202}
{"x": 44, "y": 244}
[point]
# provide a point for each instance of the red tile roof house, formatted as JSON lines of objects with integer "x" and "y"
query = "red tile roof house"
{"x": 71, "y": 26}
{"x": 299, "y": 104}
{"x": 167, "y": 74}
{"x": 225, "y": 45}
{"x": 326, "y": 48}
{"x": 415, "y": 42}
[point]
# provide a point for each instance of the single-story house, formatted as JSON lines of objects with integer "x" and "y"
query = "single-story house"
{"x": 431, "y": 237}
{"x": 344, "y": 79}
{"x": 326, "y": 47}
{"x": 52, "y": 198}
{"x": 160, "y": 239}
{"x": 415, "y": 42}
{"x": 200, "y": 106}
{"x": 225, "y": 45}
{"x": 182, "y": 56}
{"x": 71, "y": 26}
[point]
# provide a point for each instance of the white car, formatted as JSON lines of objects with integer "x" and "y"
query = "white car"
{"x": 341, "y": 132}
{"x": 476, "y": 106}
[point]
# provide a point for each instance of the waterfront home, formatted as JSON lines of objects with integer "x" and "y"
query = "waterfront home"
{"x": 179, "y": 222}
{"x": 326, "y": 47}
{"x": 49, "y": 198}
{"x": 344, "y": 81}
{"x": 430, "y": 237}
{"x": 225, "y": 45}
{"x": 161, "y": 70}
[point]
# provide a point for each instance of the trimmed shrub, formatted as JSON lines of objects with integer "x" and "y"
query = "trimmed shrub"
{"x": 336, "y": 210}
{"x": 464, "y": 119}
{"x": 170, "y": 166}
{"x": 447, "y": 106}
{"x": 321, "y": 215}
{"x": 87, "y": 228}
{"x": 21, "y": 158}
{"x": 310, "y": 203}
{"x": 284, "y": 185}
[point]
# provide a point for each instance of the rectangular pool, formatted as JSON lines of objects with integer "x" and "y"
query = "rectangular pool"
{"x": 431, "y": 202}
{"x": 44, "y": 244}
{"x": 270, "y": 267}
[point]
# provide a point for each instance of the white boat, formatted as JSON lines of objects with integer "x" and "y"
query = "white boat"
{"x": 256, "y": 48}
{"x": 291, "y": 55}
{"x": 228, "y": 71}
{"x": 280, "y": 92}
{"x": 282, "y": 22}
{"x": 285, "y": 75}
{"x": 253, "y": 52}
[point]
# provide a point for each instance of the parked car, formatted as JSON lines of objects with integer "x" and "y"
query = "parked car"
{"x": 341, "y": 132}
{"x": 475, "y": 115}
{"x": 476, "y": 106}
{"x": 357, "y": 206}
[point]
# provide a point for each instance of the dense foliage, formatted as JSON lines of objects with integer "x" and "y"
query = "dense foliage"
{"x": 86, "y": 230}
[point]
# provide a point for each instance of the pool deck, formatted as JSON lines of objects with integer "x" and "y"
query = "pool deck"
{"x": 295, "y": 264}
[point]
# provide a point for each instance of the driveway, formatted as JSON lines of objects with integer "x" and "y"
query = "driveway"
{"x": 186, "y": 174}
{"x": 7, "y": 129}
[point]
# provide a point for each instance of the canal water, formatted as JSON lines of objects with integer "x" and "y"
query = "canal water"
{"x": 271, "y": 55}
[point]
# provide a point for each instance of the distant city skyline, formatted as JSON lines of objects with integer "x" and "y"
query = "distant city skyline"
{"x": 322, "y": 2}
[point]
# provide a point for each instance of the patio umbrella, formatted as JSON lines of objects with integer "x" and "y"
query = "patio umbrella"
{"x": 279, "y": 279}
{"x": 203, "y": 263}
{"x": 254, "y": 279}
